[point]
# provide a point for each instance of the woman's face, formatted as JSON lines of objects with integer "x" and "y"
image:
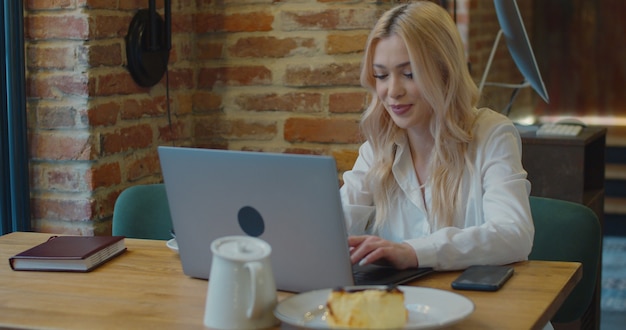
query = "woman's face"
{"x": 396, "y": 85}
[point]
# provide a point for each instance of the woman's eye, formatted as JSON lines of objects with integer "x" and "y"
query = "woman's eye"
{"x": 409, "y": 75}
{"x": 380, "y": 76}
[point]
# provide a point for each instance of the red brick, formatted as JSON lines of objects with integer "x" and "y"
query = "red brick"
{"x": 102, "y": 4}
{"x": 137, "y": 4}
{"x": 62, "y": 146}
{"x": 207, "y": 22}
{"x": 114, "y": 83}
{"x": 107, "y": 26}
{"x": 234, "y": 76}
{"x": 57, "y": 85}
{"x": 362, "y": 18}
{"x": 51, "y": 56}
{"x": 129, "y": 138}
{"x": 208, "y": 127}
{"x": 59, "y": 26}
{"x": 237, "y": 22}
{"x": 270, "y": 46}
{"x": 293, "y": 102}
{"x": 207, "y": 101}
{"x": 317, "y": 130}
{"x": 345, "y": 1}
{"x": 174, "y": 53}
{"x": 329, "y": 19}
{"x": 177, "y": 131}
{"x": 345, "y": 43}
{"x": 182, "y": 103}
{"x": 250, "y": 129}
{"x": 142, "y": 167}
{"x": 342, "y": 74}
{"x": 106, "y": 175}
{"x": 47, "y": 4}
{"x": 103, "y": 54}
{"x": 207, "y": 132}
{"x": 306, "y": 19}
{"x": 349, "y": 102}
{"x": 103, "y": 114}
{"x": 211, "y": 127}
{"x": 209, "y": 49}
{"x": 203, "y": 4}
{"x": 181, "y": 78}
{"x": 104, "y": 205}
{"x": 55, "y": 117}
{"x": 136, "y": 108}
{"x": 59, "y": 177}
{"x": 68, "y": 209}
{"x": 181, "y": 23}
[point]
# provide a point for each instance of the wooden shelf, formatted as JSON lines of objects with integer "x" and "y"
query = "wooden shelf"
{"x": 615, "y": 205}
{"x": 567, "y": 168}
{"x": 615, "y": 172}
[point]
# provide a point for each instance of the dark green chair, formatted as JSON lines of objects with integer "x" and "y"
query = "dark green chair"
{"x": 567, "y": 231}
{"x": 142, "y": 211}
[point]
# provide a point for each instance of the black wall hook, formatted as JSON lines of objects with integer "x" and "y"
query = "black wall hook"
{"x": 148, "y": 44}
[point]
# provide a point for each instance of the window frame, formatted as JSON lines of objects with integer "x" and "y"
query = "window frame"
{"x": 14, "y": 162}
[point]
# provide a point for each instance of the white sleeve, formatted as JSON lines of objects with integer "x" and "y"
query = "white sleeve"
{"x": 505, "y": 234}
{"x": 358, "y": 203}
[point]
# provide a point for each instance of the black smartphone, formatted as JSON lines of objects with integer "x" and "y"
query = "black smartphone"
{"x": 483, "y": 278}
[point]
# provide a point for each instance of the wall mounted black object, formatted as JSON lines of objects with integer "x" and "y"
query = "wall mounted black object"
{"x": 148, "y": 44}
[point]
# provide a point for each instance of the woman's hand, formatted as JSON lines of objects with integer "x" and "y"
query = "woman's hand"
{"x": 369, "y": 249}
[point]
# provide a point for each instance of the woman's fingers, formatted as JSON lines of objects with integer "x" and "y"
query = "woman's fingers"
{"x": 369, "y": 249}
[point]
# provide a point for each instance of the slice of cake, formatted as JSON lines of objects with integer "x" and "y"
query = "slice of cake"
{"x": 366, "y": 309}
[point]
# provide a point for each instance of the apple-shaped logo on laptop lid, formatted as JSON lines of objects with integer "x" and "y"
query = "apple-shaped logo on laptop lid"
{"x": 251, "y": 221}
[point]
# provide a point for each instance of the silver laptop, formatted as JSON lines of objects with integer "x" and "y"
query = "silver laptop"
{"x": 290, "y": 201}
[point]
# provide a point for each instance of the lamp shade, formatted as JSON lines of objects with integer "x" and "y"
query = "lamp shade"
{"x": 518, "y": 44}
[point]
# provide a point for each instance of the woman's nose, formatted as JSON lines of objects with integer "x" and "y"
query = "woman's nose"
{"x": 396, "y": 89}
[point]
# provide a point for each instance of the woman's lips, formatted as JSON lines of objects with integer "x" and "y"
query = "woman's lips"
{"x": 400, "y": 109}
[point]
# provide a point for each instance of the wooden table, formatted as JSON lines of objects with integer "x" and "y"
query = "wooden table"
{"x": 145, "y": 288}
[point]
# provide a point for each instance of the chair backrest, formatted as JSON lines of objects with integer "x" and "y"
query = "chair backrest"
{"x": 567, "y": 231}
{"x": 142, "y": 211}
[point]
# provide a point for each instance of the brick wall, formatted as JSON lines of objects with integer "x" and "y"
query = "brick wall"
{"x": 262, "y": 75}
{"x": 93, "y": 131}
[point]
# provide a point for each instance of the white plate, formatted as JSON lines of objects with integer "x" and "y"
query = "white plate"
{"x": 172, "y": 244}
{"x": 428, "y": 308}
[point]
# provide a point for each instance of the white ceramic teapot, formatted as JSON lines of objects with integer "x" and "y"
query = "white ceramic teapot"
{"x": 242, "y": 291}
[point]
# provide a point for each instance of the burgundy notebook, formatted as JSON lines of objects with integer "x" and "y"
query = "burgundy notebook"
{"x": 69, "y": 253}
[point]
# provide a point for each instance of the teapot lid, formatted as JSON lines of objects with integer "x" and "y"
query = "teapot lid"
{"x": 241, "y": 248}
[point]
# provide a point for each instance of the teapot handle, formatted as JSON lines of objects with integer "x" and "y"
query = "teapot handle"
{"x": 254, "y": 310}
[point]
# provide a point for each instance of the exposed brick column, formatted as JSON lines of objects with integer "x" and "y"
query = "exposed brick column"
{"x": 93, "y": 131}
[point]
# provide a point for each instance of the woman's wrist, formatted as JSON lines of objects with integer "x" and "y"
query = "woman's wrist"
{"x": 412, "y": 260}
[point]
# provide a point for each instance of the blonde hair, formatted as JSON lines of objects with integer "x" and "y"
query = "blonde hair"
{"x": 439, "y": 67}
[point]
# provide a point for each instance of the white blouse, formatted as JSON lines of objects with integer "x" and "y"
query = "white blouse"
{"x": 496, "y": 227}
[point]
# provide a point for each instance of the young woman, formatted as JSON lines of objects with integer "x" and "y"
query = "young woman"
{"x": 438, "y": 183}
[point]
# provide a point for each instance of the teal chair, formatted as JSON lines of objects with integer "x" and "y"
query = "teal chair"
{"x": 142, "y": 211}
{"x": 567, "y": 231}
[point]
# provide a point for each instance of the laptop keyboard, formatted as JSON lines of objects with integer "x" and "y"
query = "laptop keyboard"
{"x": 384, "y": 275}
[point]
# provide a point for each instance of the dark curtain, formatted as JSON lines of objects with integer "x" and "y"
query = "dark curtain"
{"x": 14, "y": 193}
